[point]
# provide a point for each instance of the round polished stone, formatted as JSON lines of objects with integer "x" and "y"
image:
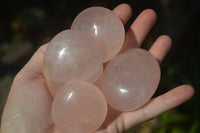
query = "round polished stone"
{"x": 79, "y": 107}
{"x": 130, "y": 79}
{"x": 71, "y": 55}
{"x": 106, "y": 28}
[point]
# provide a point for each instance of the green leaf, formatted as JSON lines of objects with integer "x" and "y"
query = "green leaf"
{"x": 194, "y": 127}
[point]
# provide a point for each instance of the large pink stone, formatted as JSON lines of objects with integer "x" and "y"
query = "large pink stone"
{"x": 130, "y": 79}
{"x": 79, "y": 107}
{"x": 71, "y": 55}
{"x": 106, "y": 28}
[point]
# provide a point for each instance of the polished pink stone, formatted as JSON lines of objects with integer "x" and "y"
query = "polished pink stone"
{"x": 79, "y": 107}
{"x": 130, "y": 79}
{"x": 71, "y": 55}
{"x": 106, "y": 28}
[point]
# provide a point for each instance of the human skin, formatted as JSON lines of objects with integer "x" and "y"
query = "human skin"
{"x": 28, "y": 107}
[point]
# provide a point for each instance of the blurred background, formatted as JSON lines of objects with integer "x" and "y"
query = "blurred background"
{"x": 27, "y": 24}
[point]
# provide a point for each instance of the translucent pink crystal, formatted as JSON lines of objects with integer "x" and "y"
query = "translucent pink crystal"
{"x": 130, "y": 79}
{"x": 106, "y": 28}
{"x": 79, "y": 107}
{"x": 71, "y": 55}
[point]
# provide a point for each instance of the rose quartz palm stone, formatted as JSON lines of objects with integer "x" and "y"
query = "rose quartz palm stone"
{"x": 79, "y": 107}
{"x": 106, "y": 28}
{"x": 130, "y": 79}
{"x": 71, "y": 55}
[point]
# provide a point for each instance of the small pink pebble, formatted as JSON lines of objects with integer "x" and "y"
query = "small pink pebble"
{"x": 130, "y": 79}
{"x": 79, "y": 107}
{"x": 106, "y": 28}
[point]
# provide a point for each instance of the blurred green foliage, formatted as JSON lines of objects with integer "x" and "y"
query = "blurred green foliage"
{"x": 28, "y": 24}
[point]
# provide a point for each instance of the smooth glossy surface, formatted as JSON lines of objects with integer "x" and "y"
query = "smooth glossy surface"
{"x": 71, "y": 55}
{"x": 79, "y": 107}
{"x": 130, "y": 79}
{"x": 106, "y": 28}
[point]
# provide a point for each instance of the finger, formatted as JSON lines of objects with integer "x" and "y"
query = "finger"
{"x": 158, "y": 105}
{"x": 161, "y": 47}
{"x": 124, "y": 12}
{"x": 139, "y": 29}
{"x": 36, "y": 62}
{"x": 34, "y": 67}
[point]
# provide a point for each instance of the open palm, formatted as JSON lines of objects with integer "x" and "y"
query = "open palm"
{"x": 28, "y": 108}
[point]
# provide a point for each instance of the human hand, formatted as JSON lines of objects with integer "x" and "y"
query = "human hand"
{"x": 28, "y": 108}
